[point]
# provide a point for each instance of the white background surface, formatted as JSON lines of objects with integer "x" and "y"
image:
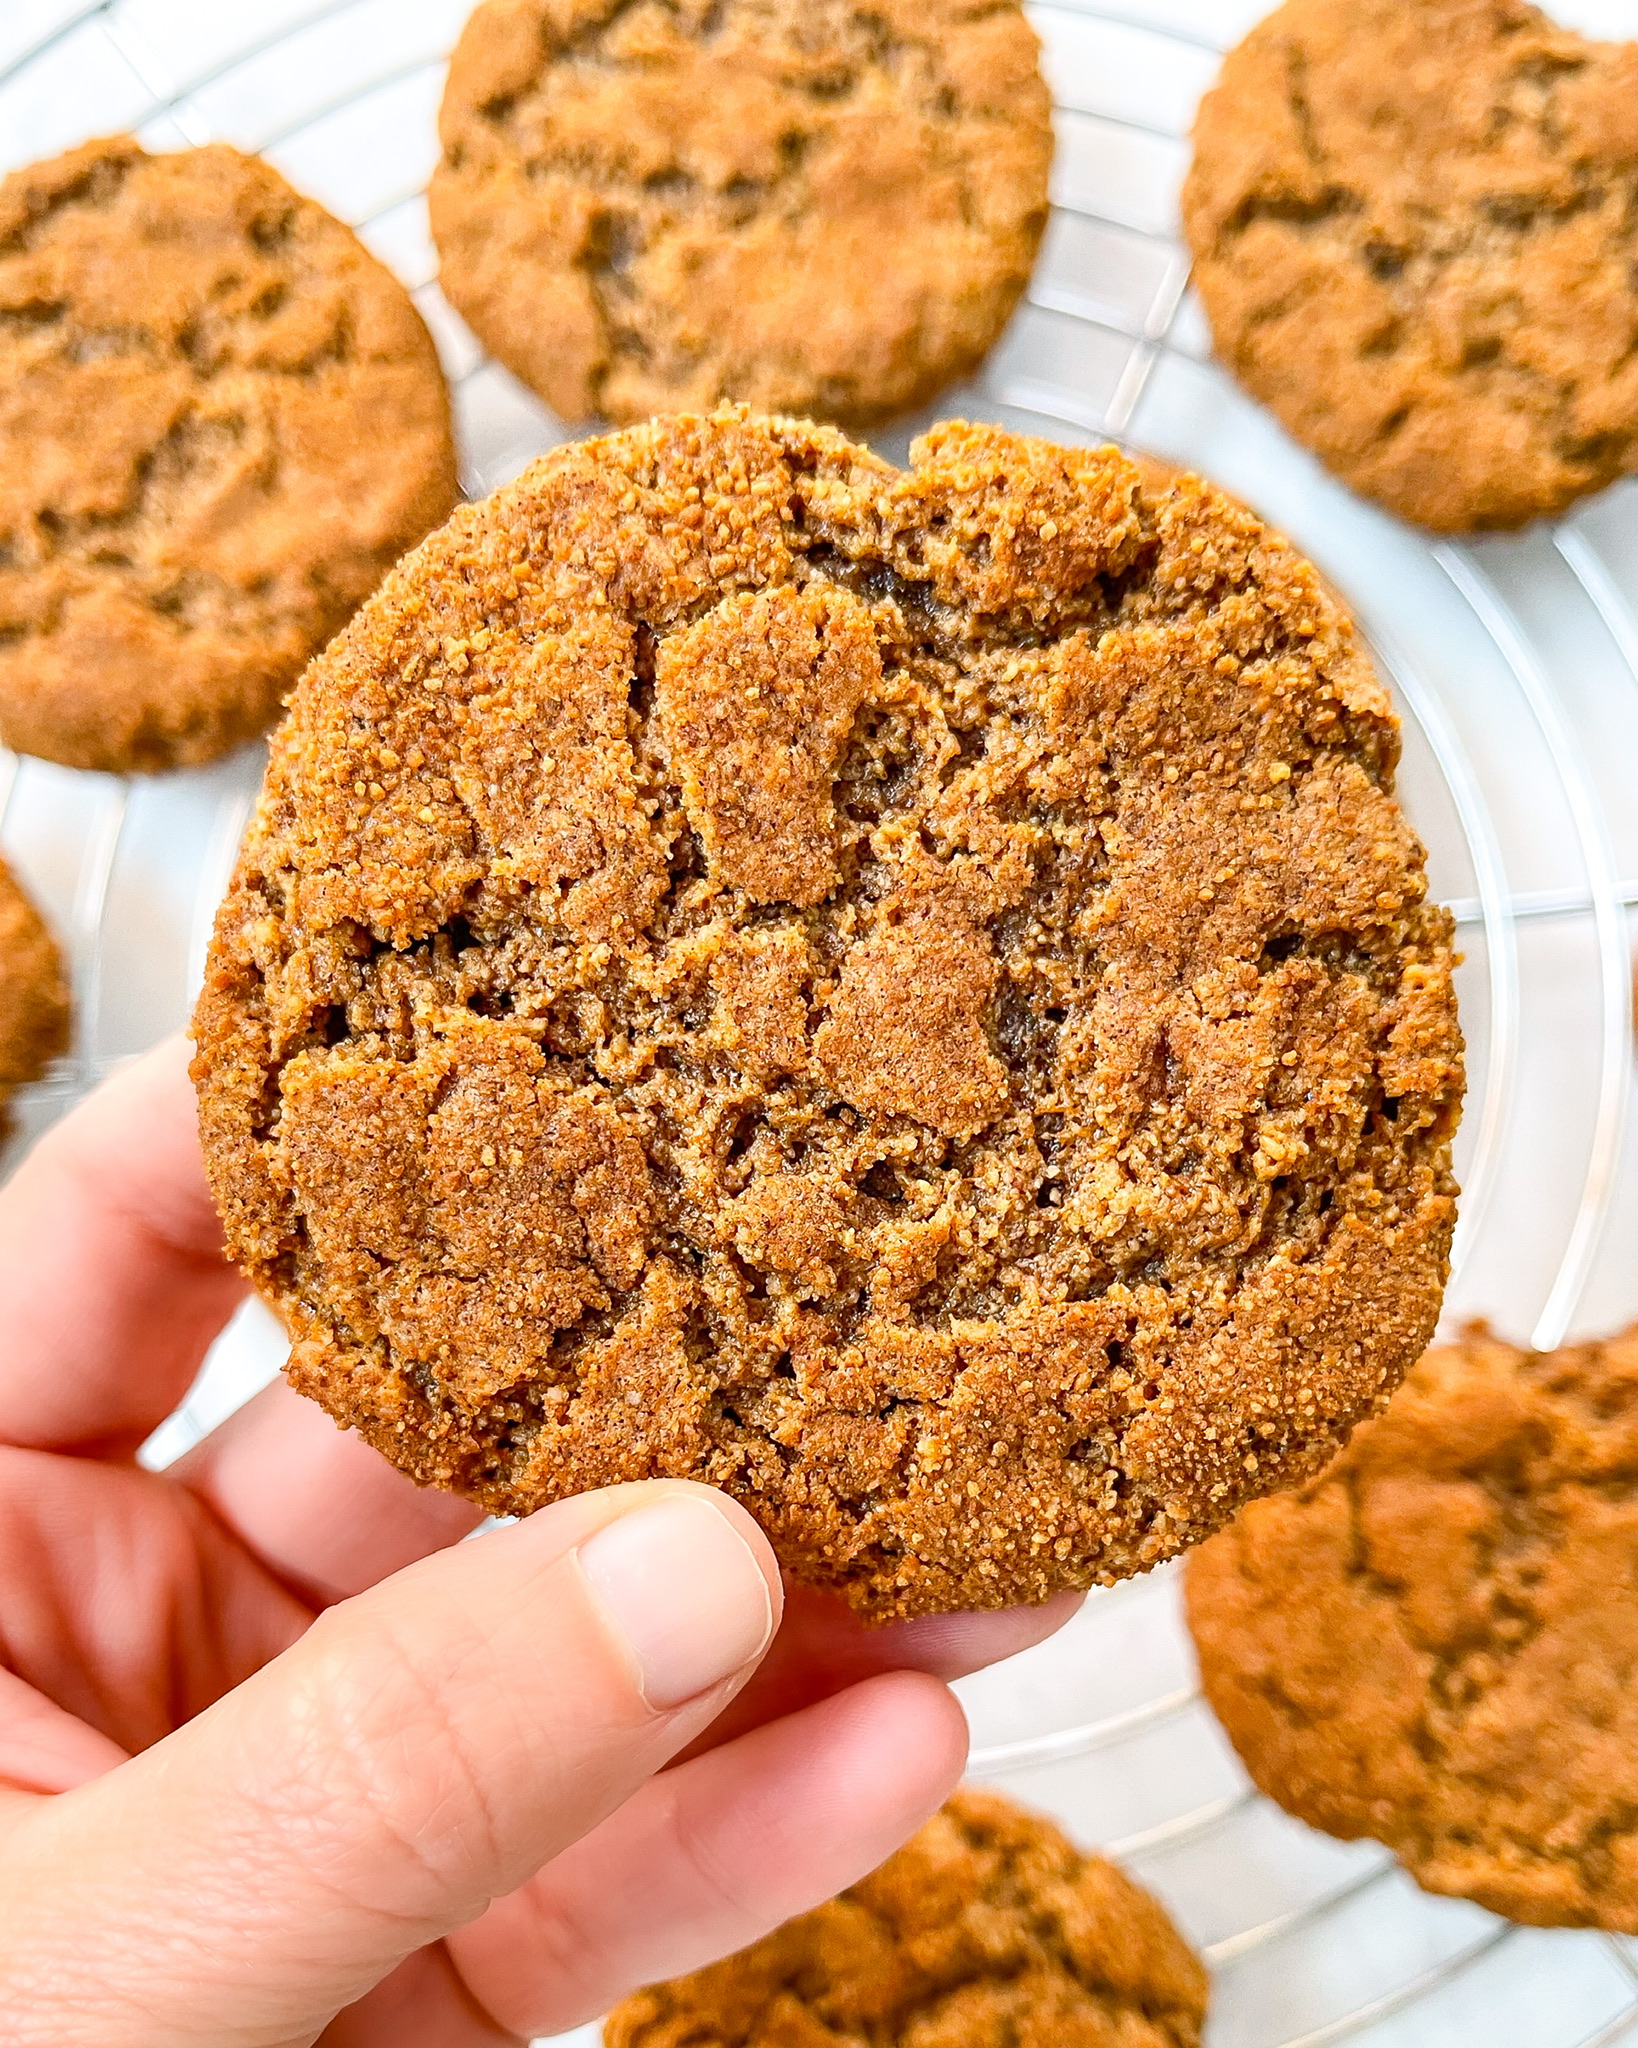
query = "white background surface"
{"x": 1515, "y": 661}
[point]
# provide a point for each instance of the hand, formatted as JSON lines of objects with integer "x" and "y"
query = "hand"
{"x": 282, "y": 1759}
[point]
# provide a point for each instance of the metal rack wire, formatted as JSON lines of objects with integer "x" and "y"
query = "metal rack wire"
{"x": 1087, "y": 356}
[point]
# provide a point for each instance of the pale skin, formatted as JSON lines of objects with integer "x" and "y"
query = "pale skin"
{"x": 283, "y": 1761}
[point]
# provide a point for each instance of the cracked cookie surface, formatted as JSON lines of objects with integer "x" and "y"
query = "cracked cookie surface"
{"x": 987, "y": 1926}
{"x": 34, "y": 1004}
{"x": 809, "y": 205}
{"x": 221, "y": 421}
{"x": 1434, "y": 1644}
{"x": 1415, "y": 230}
{"x": 905, "y": 995}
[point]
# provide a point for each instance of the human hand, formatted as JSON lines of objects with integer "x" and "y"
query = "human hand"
{"x": 282, "y": 1759}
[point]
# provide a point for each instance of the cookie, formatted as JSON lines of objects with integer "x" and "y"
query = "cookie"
{"x": 988, "y": 1926}
{"x": 1433, "y": 1644}
{"x": 1415, "y": 230}
{"x": 34, "y": 1008}
{"x": 812, "y": 207}
{"x": 906, "y": 996}
{"x": 221, "y": 422}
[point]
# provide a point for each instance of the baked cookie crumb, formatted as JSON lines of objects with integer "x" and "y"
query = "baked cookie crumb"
{"x": 903, "y": 995}
{"x": 34, "y": 1003}
{"x": 814, "y": 207}
{"x": 1433, "y": 1643}
{"x": 988, "y": 1926}
{"x": 1415, "y": 231}
{"x": 221, "y": 421}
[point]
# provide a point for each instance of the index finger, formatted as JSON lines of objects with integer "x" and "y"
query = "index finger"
{"x": 111, "y": 1266}
{"x": 823, "y": 1648}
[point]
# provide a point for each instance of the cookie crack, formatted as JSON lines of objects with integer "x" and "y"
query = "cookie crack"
{"x": 1448, "y": 360}
{"x": 884, "y": 1260}
{"x": 641, "y": 217}
{"x": 96, "y": 188}
{"x": 1004, "y": 1891}
{"x": 102, "y": 541}
{"x": 1469, "y": 1664}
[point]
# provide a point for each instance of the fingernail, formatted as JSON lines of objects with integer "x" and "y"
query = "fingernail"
{"x": 682, "y": 1587}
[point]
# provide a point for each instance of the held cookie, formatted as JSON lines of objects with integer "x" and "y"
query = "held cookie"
{"x": 906, "y": 996}
{"x": 988, "y": 1926}
{"x": 221, "y": 422}
{"x": 34, "y": 1006}
{"x": 812, "y": 207}
{"x": 1415, "y": 229}
{"x": 1434, "y": 1643}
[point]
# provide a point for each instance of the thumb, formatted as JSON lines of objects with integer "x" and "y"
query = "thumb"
{"x": 422, "y": 1750}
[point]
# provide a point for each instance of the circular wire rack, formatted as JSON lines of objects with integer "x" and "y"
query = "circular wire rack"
{"x": 1514, "y": 663}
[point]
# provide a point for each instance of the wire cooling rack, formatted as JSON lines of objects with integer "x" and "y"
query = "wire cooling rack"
{"x": 1514, "y": 662}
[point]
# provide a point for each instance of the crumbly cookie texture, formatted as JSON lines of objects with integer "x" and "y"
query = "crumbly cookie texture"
{"x": 34, "y": 1006}
{"x": 1415, "y": 229}
{"x": 221, "y": 421}
{"x": 988, "y": 1926}
{"x": 1434, "y": 1643}
{"x": 813, "y": 206}
{"x": 906, "y": 996}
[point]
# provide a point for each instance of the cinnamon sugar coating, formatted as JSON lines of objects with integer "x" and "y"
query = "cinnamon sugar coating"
{"x": 809, "y": 205}
{"x": 906, "y": 996}
{"x": 1433, "y": 1644}
{"x": 988, "y": 1926}
{"x": 221, "y": 421}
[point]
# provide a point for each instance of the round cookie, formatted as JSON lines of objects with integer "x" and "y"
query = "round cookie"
{"x": 1415, "y": 234}
{"x": 1433, "y": 1644}
{"x": 814, "y": 208}
{"x": 221, "y": 421}
{"x": 34, "y": 1005}
{"x": 988, "y": 1926}
{"x": 906, "y": 996}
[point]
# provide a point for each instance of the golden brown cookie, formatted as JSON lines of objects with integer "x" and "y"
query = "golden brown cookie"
{"x": 813, "y": 207}
{"x": 221, "y": 421}
{"x": 987, "y": 1927}
{"x": 1434, "y": 1643}
{"x": 1415, "y": 229}
{"x": 34, "y": 1007}
{"x": 906, "y": 996}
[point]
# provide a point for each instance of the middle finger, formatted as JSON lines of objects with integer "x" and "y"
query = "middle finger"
{"x": 320, "y": 1509}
